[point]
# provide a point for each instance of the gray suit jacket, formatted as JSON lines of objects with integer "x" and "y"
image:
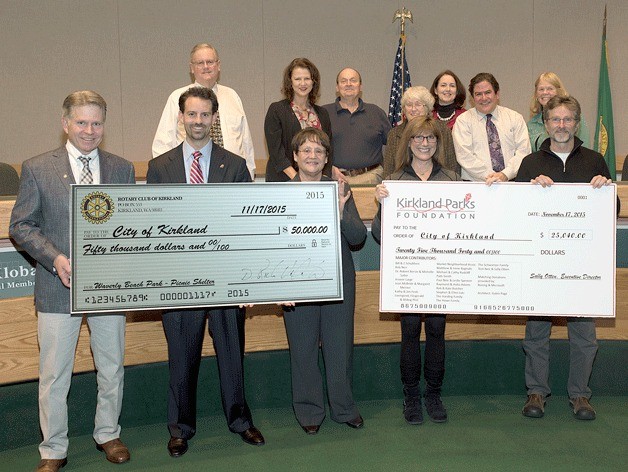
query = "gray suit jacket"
{"x": 224, "y": 166}
{"x": 40, "y": 221}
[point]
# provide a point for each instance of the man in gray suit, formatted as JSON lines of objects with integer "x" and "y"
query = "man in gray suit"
{"x": 40, "y": 224}
{"x": 198, "y": 160}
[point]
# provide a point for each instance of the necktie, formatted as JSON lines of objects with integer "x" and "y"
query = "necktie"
{"x": 86, "y": 173}
{"x": 196, "y": 173}
{"x": 215, "y": 132}
{"x": 494, "y": 146}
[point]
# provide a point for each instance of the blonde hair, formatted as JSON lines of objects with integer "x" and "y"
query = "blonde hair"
{"x": 552, "y": 78}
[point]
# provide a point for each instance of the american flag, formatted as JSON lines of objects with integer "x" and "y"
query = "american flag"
{"x": 397, "y": 88}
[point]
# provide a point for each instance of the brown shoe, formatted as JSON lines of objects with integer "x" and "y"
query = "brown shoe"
{"x": 51, "y": 465}
{"x": 582, "y": 409}
{"x": 534, "y": 407}
{"x": 116, "y": 451}
{"x": 252, "y": 436}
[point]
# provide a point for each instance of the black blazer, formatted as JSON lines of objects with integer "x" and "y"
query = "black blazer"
{"x": 280, "y": 126}
{"x": 224, "y": 166}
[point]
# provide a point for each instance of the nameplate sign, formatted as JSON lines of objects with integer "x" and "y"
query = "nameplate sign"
{"x": 17, "y": 273}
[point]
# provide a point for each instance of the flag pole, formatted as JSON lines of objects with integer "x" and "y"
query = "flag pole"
{"x": 604, "y": 141}
{"x": 401, "y": 73}
{"x": 403, "y": 15}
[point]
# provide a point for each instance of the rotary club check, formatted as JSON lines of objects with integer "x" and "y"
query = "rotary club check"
{"x": 140, "y": 247}
{"x": 511, "y": 248}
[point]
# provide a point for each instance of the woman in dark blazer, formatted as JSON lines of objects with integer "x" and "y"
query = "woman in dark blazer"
{"x": 301, "y": 85}
{"x": 325, "y": 324}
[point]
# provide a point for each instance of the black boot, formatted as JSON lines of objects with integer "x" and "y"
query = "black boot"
{"x": 412, "y": 408}
{"x": 434, "y": 405}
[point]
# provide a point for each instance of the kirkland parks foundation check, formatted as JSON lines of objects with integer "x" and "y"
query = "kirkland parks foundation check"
{"x": 138, "y": 247}
{"x": 511, "y": 248}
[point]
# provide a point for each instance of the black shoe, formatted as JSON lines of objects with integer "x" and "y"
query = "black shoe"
{"x": 534, "y": 407}
{"x": 412, "y": 410}
{"x": 177, "y": 447}
{"x": 355, "y": 423}
{"x": 435, "y": 409}
{"x": 311, "y": 429}
{"x": 252, "y": 436}
{"x": 582, "y": 409}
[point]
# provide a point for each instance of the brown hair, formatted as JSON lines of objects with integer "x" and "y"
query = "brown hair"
{"x": 461, "y": 94}
{"x": 311, "y": 134}
{"x": 81, "y": 98}
{"x": 483, "y": 77}
{"x": 286, "y": 87}
{"x": 568, "y": 102}
{"x": 199, "y": 92}
{"x": 418, "y": 125}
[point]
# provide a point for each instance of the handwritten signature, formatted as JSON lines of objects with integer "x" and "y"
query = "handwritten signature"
{"x": 285, "y": 269}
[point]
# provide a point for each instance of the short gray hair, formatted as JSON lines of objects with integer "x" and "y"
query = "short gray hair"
{"x": 420, "y": 94}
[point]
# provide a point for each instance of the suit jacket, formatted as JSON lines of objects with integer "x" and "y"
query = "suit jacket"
{"x": 40, "y": 221}
{"x": 280, "y": 126}
{"x": 224, "y": 166}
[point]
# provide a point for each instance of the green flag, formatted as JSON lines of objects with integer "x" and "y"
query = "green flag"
{"x": 604, "y": 134}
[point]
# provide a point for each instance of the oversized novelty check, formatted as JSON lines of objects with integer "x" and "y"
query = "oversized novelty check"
{"x": 510, "y": 248}
{"x": 137, "y": 247}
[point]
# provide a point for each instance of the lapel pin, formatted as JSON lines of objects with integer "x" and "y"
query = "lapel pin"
{"x": 222, "y": 166}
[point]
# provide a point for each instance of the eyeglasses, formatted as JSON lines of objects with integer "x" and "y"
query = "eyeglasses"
{"x": 415, "y": 105}
{"x": 567, "y": 121}
{"x": 419, "y": 139}
{"x": 316, "y": 152}
{"x": 205, "y": 63}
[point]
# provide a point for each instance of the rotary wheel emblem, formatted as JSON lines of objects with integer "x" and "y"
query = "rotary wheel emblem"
{"x": 97, "y": 207}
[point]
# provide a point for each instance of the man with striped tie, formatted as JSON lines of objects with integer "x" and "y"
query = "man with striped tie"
{"x": 199, "y": 160}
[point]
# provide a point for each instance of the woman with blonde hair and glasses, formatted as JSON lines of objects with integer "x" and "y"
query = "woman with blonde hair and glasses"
{"x": 420, "y": 155}
{"x": 547, "y": 86}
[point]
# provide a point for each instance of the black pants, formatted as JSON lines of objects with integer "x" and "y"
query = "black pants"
{"x": 434, "y": 364}
{"x": 185, "y": 331}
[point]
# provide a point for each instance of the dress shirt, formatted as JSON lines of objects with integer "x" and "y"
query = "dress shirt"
{"x": 188, "y": 157}
{"x": 471, "y": 142}
{"x": 236, "y": 135}
{"x": 77, "y": 166}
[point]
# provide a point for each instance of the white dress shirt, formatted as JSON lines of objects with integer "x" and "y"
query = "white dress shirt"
{"x": 77, "y": 166}
{"x": 236, "y": 134}
{"x": 471, "y": 142}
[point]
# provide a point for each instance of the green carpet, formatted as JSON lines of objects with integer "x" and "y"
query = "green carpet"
{"x": 474, "y": 368}
{"x": 484, "y": 433}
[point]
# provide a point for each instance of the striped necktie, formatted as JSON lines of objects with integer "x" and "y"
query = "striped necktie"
{"x": 196, "y": 173}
